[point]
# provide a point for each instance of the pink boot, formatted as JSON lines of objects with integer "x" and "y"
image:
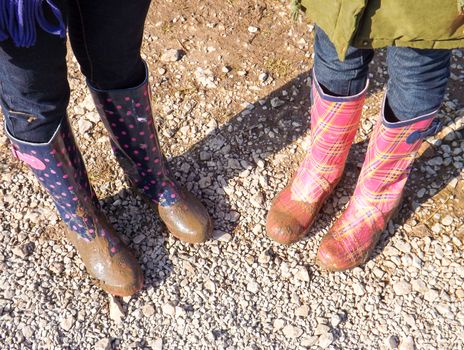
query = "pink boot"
{"x": 334, "y": 122}
{"x": 390, "y": 154}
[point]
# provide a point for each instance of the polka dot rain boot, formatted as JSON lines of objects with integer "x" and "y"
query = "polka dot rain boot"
{"x": 59, "y": 167}
{"x": 389, "y": 158}
{"x": 334, "y": 122}
{"x": 127, "y": 115}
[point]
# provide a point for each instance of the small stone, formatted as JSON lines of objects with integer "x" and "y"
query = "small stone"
{"x": 436, "y": 228}
{"x": 402, "y": 288}
{"x": 358, "y": 289}
{"x": 168, "y": 309}
{"x": 431, "y": 295}
{"x": 27, "y": 332}
{"x": 263, "y": 76}
{"x": 309, "y": 341}
{"x": 226, "y": 69}
{"x": 325, "y": 340}
{"x": 447, "y": 220}
{"x": 67, "y": 323}
{"x": 148, "y": 310}
{"x": 252, "y": 287}
{"x": 292, "y": 332}
{"x": 139, "y": 238}
{"x": 321, "y": 329}
{"x": 172, "y": 55}
{"x": 335, "y": 320}
{"x": 276, "y": 102}
{"x": 407, "y": 344}
{"x": 84, "y": 125}
{"x": 156, "y": 344}
{"x": 419, "y": 286}
{"x": 205, "y": 78}
{"x": 205, "y": 155}
{"x": 253, "y": 29}
{"x": 391, "y": 342}
{"x": 302, "y": 274}
{"x": 162, "y": 71}
{"x": 302, "y": 311}
{"x": 278, "y": 324}
{"x": 103, "y": 344}
{"x": 116, "y": 310}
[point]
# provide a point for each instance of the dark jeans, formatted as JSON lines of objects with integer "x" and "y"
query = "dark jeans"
{"x": 417, "y": 78}
{"x": 106, "y": 37}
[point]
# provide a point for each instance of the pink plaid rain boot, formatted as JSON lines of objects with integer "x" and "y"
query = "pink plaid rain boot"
{"x": 390, "y": 154}
{"x": 334, "y": 122}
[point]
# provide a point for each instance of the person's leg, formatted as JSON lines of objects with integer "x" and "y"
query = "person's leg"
{"x": 415, "y": 91}
{"x": 340, "y": 78}
{"x": 417, "y": 82}
{"x": 109, "y": 53}
{"x": 338, "y": 93}
{"x": 34, "y": 98}
{"x": 34, "y": 91}
{"x": 106, "y": 37}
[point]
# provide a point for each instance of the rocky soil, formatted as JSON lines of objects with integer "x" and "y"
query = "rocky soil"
{"x": 230, "y": 82}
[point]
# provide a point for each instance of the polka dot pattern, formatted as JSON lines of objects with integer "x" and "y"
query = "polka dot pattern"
{"x": 59, "y": 167}
{"x": 128, "y": 117}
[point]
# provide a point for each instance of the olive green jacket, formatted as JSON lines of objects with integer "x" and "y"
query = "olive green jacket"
{"x": 376, "y": 23}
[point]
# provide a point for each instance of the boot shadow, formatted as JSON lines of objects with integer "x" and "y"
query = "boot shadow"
{"x": 255, "y": 135}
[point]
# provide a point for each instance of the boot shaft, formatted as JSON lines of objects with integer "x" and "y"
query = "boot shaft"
{"x": 59, "y": 167}
{"x": 334, "y": 123}
{"x": 127, "y": 115}
{"x": 391, "y": 152}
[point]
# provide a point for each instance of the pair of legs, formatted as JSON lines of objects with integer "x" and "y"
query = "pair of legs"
{"x": 106, "y": 37}
{"x": 417, "y": 78}
{"x": 414, "y": 93}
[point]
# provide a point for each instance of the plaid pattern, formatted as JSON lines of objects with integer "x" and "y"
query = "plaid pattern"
{"x": 333, "y": 128}
{"x": 334, "y": 122}
{"x": 377, "y": 195}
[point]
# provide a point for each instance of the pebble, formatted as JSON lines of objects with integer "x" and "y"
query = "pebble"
{"x": 358, "y": 289}
{"x": 171, "y": 55}
{"x": 335, "y": 320}
{"x": 302, "y": 311}
{"x": 253, "y": 287}
{"x": 116, "y": 310}
{"x": 263, "y": 76}
{"x": 447, "y": 220}
{"x": 407, "y": 344}
{"x": 84, "y": 125}
{"x": 148, "y": 310}
{"x": 302, "y": 274}
{"x": 402, "y": 288}
{"x": 325, "y": 340}
{"x": 292, "y": 332}
{"x": 276, "y": 102}
{"x": 391, "y": 342}
{"x": 253, "y": 29}
{"x": 168, "y": 309}
{"x": 103, "y": 344}
{"x": 67, "y": 322}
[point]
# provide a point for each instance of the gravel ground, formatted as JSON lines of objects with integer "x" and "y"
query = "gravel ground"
{"x": 231, "y": 83}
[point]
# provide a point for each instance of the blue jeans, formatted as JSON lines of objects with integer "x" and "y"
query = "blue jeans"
{"x": 417, "y": 77}
{"x": 105, "y": 36}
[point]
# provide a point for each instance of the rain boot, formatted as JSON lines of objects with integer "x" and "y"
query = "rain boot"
{"x": 59, "y": 167}
{"x": 334, "y": 122}
{"x": 389, "y": 158}
{"x": 127, "y": 115}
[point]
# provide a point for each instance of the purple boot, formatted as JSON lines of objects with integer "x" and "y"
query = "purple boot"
{"x": 127, "y": 115}
{"x": 59, "y": 167}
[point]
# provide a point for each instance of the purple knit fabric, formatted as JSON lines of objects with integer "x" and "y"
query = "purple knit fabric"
{"x": 19, "y": 20}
